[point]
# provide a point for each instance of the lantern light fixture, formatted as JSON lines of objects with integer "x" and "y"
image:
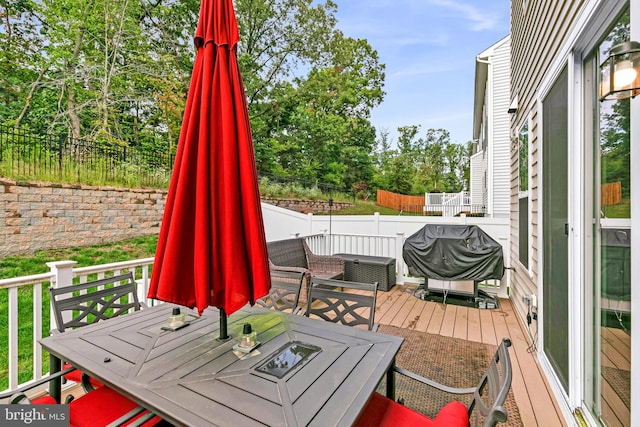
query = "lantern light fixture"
{"x": 620, "y": 73}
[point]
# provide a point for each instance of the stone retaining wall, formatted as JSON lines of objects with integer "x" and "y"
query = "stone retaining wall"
{"x": 38, "y": 216}
{"x": 306, "y": 206}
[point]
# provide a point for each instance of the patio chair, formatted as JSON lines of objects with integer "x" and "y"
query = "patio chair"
{"x": 79, "y": 305}
{"x": 295, "y": 255}
{"x": 338, "y": 301}
{"x": 100, "y": 407}
{"x": 484, "y": 409}
{"x": 285, "y": 291}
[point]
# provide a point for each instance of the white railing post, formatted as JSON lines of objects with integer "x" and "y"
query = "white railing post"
{"x": 37, "y": 330}
{"x": 13, "y": 337}
{"x": 399, "y": 258}
{"x": 142, "y": 286}
{"x": 310, "y": 221}
{"x": 61, "y": 276}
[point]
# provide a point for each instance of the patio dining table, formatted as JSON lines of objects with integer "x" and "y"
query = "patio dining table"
{"x": 304, "y": 372}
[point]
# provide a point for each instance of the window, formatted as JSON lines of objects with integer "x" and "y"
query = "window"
{"x": 523, "y": 195}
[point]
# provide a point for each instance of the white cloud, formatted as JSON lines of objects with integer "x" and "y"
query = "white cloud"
{"x": 423, "y": 69}
{"x": 482, "y": 20}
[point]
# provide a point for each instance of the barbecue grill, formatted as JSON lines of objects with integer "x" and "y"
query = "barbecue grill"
{"x": 453, "y": 253}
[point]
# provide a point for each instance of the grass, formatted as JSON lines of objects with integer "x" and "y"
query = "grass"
{"x": 24, "y": 265}
{"x": 621, "y": 210}
{"x": 362, "y": 207}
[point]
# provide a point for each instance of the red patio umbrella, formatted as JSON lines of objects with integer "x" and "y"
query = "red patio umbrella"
{"x": 211, "y": 248}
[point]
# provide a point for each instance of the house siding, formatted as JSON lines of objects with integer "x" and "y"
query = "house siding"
{"x": 491, "y": 127}
{"x": 478, "y": 168}
{"x": 500, "y": 144}
{"x": 536, "y": 37}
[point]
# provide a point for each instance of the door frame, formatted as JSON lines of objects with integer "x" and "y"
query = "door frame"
{"x": 580, "y": 40}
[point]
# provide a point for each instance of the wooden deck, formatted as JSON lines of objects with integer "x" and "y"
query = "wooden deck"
{"x": 398, "y": 307}
{"x": 616, "y": 357}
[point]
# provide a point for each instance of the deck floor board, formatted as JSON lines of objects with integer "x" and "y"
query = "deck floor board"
{"x": 537, "y": 406}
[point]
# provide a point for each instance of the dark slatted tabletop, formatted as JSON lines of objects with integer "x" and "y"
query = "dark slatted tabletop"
{"x": 190, "y": 378}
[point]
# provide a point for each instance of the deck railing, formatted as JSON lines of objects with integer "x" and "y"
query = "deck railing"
{"x": 19, "y": 289}
{"x": 63, "y": 273}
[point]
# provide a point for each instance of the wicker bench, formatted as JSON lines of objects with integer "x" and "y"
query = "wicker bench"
{"x": 295, "y": 255}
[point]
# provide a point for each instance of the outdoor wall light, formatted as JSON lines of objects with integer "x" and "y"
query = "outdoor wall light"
{"x": 620, "y": 73}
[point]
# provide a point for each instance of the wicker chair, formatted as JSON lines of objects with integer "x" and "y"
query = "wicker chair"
{"x": 295, "y": 255}
{"x": 349, "y": 303}
{"x": 285, "y": 291}
{"x": 485, "y": 407}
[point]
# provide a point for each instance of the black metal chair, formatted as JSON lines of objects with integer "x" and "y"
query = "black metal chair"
{"x": 285, "y": 291}
{"x": 80, "y": 305}
{"x": 90, "y": 302}
{"x": 338, "y": 301}
{"x": 485, "y": 408}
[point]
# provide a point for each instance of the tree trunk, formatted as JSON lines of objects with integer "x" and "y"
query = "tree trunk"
{"x": 27, "y": 102}
{"x": 72, "y": 106}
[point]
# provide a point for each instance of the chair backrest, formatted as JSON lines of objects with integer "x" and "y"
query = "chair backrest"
{"x": 285, "y": 291}
{"x": 288, "y": 253}
{"x": 492, "y": 390}
{"x": 86, "y": 303}
{"x": 338, "y": 301}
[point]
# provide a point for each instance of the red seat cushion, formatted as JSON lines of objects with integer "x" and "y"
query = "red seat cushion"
{"x": 452, "y": 414}
{"x": 102, "y": 406}
{"x": 44, "y": 400}
{"x": 384, "y": 412}
{"x": 76, "y": 376}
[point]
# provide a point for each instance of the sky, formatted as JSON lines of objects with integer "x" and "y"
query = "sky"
{"x": 429, "y": 49}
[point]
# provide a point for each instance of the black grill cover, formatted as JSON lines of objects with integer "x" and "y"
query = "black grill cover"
{"x": 453, "y": 252}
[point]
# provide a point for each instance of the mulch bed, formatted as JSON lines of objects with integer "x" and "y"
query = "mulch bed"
{"x": 449, "y": 361}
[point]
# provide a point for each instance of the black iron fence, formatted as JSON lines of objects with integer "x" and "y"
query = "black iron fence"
{"x": 58, "y": 157}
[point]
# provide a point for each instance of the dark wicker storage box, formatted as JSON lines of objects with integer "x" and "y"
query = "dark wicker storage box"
{"x": 370, "y": 269}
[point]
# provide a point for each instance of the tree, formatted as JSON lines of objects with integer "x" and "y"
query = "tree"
{"x": 313, "y": 125}
{"x": 421, "y": 165}
{"x": 117, "y": 72}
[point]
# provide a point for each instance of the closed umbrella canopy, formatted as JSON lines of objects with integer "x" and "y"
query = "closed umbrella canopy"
{"x": 211, "y": 248}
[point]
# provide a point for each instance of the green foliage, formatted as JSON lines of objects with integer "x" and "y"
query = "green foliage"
{"x": 420, "y": 164}
{"x": 290, "y": 190}
{"x": 118, "y": 72}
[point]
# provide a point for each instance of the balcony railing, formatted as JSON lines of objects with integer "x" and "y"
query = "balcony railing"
{"x": 63, "y": 273}
{"x": 451, "y": 204}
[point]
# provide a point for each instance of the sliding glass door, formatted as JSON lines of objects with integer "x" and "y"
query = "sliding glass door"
{"x": 608, "y": 126}
{"x": 555, "y": 196}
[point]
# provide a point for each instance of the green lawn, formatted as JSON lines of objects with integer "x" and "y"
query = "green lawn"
{"x": 621, "y": 210}
{"x": 362, "y": 207}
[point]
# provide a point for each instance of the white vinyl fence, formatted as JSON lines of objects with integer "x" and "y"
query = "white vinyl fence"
{"x": 23, "y": 299}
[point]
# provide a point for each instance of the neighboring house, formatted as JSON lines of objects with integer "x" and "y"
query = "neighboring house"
{"x": 571, "y": 212}
{"x": 491, "y": 159}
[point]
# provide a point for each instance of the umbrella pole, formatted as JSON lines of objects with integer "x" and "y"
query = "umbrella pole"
{"x": 223, "y": 326}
